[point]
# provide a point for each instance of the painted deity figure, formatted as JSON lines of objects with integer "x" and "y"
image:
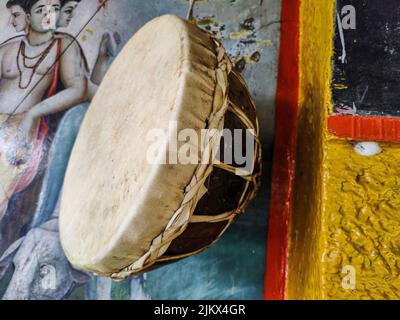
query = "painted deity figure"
{"x": 67, "y": 12}
{"x": 107, "y": 48}
{"x": 24, "y": 128}
{"x": 30, "y": 68}
{"x": 19, "y": 19}
{"x": 28, "y": 85}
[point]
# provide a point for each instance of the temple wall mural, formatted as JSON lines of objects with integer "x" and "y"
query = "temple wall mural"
{"x": 43, "y": 103}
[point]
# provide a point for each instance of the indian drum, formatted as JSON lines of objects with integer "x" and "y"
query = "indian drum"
{"x": 122, "y": 212}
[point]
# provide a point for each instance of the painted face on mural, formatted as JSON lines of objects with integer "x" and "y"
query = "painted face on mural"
{"x": 19, "y": 19}
{"x": 67, "y": 13}
{"x": 44, "y": 15}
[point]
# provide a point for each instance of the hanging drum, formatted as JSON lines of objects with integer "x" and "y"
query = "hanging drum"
{"x": 122, "y": 212}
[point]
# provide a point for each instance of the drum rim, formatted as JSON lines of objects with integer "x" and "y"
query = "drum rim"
{"x": 159, "y": 245}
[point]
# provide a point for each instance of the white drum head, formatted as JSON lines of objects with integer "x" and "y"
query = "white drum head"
{"x": 114, "y": 201}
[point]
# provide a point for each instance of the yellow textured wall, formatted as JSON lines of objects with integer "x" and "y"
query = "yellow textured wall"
{"x": 361, "y": 209}
{"x": 304, "y": 272}
{"x": 346, "y": 208}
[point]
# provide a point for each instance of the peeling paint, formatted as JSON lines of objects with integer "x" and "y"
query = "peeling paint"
{"x": 240, "y": 34}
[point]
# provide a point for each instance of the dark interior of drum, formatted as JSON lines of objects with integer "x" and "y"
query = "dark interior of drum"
{"x": 225, "y": 189}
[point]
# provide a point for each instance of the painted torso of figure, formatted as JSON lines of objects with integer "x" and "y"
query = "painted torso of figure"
{"x": 30, "y": 67}
{"x": 18, "y": 79}
{"x": 26, "y": 74}
{"x": 42, "y": 73}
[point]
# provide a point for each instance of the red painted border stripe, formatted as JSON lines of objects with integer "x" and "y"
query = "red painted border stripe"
{"x": 287, "y": 100}
{"x": 365, "y": 128}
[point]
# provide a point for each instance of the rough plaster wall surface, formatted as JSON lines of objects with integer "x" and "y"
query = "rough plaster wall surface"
{"x": 362, "y": 222}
